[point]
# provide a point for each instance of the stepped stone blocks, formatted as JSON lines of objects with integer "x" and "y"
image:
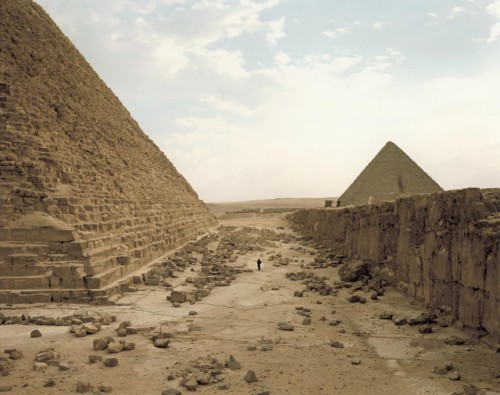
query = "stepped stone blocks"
{"x": 442, "y": 248}
{"x": 390, "y": 175}
{"x": 86, "y": 198}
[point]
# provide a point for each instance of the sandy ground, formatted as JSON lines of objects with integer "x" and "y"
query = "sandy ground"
{"x": 394, "y": 359}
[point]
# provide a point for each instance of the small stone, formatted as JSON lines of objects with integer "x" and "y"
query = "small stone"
{"x": 83, "y": 387}
{"x": 40, "y": 366}
{"x": 63, "y": 367}
{"x": 306, "y": 321}
{"x": 203, "y": 379}
{"x": 354, "y": 298}
{"x": 15, "y": 355}
{"x": 36, "y": 333}
{"x": 386, "y": 316}
{"x": 171, "y": 391}
{"x": 424, "y": 329}
{"x": 122, "y": 332}
{"x": 285, "y": 326}
{"x": 443, "y": 369}
{"x": 81, "y": 333}
{"x": 266, "y": 347}
{"x": 298, "y": 294}
{"x": 132, "y": 330}
{"x": 124, "y": 324}
{"x": 128, "y": 346}
{"x": 49, "y": 383}
{"x": 95, "y": 358}
{"x": 400, "y": 321}
{"x": 250, "y": 377}
{"x": 193, "y": 313}
{"x": 161, "y": 343}
{"x": 6, "y": 388}
{"x": 111, "y": 362}
{"x": 101, "y": 344}
{"x": 233, "y": 364}
{"x": 355, "y": 362}
{"x": 455, "y": 376}
{"x": 89, "y": 328}
{"x": 252, "y": 347}
{"x": 190, "y": 384}
{"x": 471, "y": 389}
{"x": 105, "y": 387}
{"x": 115, "y": 348}
{"x": 336, "y": 344}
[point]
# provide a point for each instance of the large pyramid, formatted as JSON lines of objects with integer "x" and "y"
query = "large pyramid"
{"x": 86, "y": 198}
{"x": 391, "y": 174}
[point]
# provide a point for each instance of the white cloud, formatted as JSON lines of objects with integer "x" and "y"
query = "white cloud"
{"x": 224, "y": 62}
{"x": 276, "y": 31}
{"x": 337, "y": 32}
{"x": 494, "y": 8}
{"x": 494, "y": 33}
{"x": 225, "y": 105}
{"x": 378, "y": 25}
{"x": 432, "y": 14}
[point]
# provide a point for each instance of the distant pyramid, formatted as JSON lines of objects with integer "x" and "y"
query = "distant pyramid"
{"x": 87, "y": 200}
{"x": 390, "y": 175}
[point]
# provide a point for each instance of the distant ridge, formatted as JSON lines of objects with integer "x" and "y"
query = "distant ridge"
{"x": 389, "y": 175}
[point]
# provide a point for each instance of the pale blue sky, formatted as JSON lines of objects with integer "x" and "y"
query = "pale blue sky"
{"x": 278, "y": 98}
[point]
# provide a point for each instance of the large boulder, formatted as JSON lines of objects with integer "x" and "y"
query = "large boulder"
{"x": 354, "y": 271}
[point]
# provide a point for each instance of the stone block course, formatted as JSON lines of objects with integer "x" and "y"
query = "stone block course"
{"x": 78, "y": 178}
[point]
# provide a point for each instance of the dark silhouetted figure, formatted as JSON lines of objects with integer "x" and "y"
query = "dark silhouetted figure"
{"x": 258, "y": 263}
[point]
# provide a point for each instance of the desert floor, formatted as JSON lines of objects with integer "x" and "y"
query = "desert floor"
{"x": 393, "y": 359}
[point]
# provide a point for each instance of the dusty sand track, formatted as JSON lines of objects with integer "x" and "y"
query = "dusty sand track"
{"x": 394, "y": 360}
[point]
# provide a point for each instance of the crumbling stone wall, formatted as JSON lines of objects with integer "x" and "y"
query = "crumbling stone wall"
{"x": 86, "y": 198}
{"x": 442, "y": 248}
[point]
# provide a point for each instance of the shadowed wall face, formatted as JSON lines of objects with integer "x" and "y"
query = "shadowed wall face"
{"x": 442, "y": 248}
{"x": 86, "y": 197}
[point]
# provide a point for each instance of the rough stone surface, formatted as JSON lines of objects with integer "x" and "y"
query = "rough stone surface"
{"x": 250, "y": 377}
{"x": 79, "y": 179}
{"x": 441, "y": 248}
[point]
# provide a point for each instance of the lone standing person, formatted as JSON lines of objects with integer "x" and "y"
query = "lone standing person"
{"x": 258, "y": 263}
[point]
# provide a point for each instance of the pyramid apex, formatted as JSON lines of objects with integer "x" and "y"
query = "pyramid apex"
{"x": 389, "y": 175}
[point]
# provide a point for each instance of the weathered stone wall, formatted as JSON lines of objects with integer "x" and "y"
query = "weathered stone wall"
{"x": 86, "y": 198}
{"x": 443, "y": 248}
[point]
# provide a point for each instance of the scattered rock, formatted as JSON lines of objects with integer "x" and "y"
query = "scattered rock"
{"x": 6, "y": 388}
{"x": 101, "y": 344}
{"x": 161, "y": 343}
{"x": 355, "y": 362}
{"x": 455, "y": 376}
{"x": 190, "y": 384}
{"x": 36, "y": 333}
{"x": 49, "y": 383}
{"x": 233, "y": 364}
{"x": 63, "y": 367}
{"x": 336, "y": 344}
{"x": 171, "y": 391}
{"x": 386, "y": 316}
{"x": 400, "y": 321}
{"x": 443, "y": 369}
{"x": 111, "y": 362}
{"x": 40, "y": 366}
{"x": 115, "y": 348}
{"x": 306, "y": 321}
{"x": 105, "y": 387}
{"x": 285, "y": 326}
{"x": 83, "y": 387}
{"x": 425, "y": 329}
{"x": 251, "y": 347}
{"x": 250, "y": 377}
{"x": 266, "y": 347}
{"x": 89, "y": 328}
{"x": 298, "y": 294}
{"x": 95, "y": 358}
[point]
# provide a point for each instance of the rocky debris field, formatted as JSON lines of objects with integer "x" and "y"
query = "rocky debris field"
{"x": 204, "y": 320}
